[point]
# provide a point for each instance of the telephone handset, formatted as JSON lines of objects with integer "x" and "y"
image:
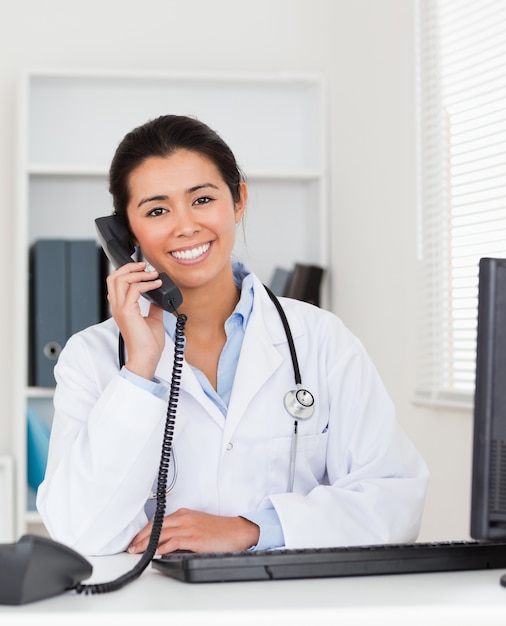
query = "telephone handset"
{"x": 117, "y": 243}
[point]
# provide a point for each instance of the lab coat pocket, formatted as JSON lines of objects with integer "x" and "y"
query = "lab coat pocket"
{"x": 310, "y": 463}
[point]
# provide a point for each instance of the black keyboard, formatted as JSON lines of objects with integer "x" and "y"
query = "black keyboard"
{"x": 408, "y": 558}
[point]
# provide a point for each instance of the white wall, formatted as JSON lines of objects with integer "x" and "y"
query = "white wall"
{"x": 365, "y": 50}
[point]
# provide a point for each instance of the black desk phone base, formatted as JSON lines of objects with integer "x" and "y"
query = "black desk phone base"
{"x": 35, "y": 568}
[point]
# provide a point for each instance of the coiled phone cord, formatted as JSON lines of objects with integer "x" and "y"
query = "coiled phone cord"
{"x": 163, "y": 471}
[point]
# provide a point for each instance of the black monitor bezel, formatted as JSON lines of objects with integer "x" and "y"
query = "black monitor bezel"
{"x": 488, "y": 488}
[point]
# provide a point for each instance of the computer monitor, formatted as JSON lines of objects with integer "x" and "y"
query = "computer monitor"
{"x": 488, "y": 492}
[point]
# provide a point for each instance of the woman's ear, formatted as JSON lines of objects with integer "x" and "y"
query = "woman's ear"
{"x": 133, "y": 238}
{"x": 240, "y": 206}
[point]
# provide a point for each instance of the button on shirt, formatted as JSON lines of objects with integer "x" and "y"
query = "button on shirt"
{"x": 271, "y": 534}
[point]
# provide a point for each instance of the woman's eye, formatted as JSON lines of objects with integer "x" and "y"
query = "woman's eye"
{"x": 156, "y": 212}
{"x": 203, "y": 200}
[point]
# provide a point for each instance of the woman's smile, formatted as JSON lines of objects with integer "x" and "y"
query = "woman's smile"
{"x": 191, "y": 254}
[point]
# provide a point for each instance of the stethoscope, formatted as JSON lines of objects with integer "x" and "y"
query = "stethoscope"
{"x": 298, "y": 402}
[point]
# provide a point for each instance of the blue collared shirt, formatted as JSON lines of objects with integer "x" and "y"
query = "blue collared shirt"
{"x": 271, "y": 534}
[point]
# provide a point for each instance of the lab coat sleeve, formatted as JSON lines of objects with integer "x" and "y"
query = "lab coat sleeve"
{"x": 376, "y": 477}
{"x": 103, "y": 453}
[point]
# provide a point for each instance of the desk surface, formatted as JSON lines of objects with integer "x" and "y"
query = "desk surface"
{"x": 456, "y": 598}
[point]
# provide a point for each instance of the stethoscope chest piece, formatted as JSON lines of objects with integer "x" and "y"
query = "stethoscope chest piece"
{"x": 299, "y": 403}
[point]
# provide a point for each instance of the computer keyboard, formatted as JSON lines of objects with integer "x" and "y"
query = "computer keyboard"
{"x": 408, "y": 558}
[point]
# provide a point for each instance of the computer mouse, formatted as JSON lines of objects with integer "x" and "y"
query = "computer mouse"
{"x": 36, "y": 567}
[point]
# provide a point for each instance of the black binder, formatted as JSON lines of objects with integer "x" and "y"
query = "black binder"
{"x": 305, "y": 283}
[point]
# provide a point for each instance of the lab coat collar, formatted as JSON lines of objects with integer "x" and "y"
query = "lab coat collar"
{"x": 259, "y": 357}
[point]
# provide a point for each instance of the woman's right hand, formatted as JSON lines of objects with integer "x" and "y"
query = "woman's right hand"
{"x": 144, "y": 336}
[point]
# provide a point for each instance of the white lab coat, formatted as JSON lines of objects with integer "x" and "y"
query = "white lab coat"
{"x": 358, "y": 478}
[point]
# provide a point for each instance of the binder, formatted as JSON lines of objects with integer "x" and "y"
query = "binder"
{"x": 67, "y": 294}
{"x": 280, "y": 281}
{"x": 305, "y": 283}
{"x": 37, "y": 446}
{"x": 48, "y": 308}
{"x": 84, "y": 306}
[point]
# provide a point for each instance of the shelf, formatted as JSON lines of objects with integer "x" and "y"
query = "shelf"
{"x": 40, "y": 392}
{"x": 64, "y": 169}
{"x": 7, "y": 498}
{"x": 256, "y": 115}
{"x": 33, "y": 518}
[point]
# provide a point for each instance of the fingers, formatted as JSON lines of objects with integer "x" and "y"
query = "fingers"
{"x": 144, "y": 336}
{"x": 169, "y": 539}
{"x": 199, "y": 532}
{"x": 140, "y": 542}
{"x": 128, "y": 282}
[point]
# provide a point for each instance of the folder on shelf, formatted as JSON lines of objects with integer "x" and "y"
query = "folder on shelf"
{"x": 304, "y": 283}
{"x": 66, "y": 295}
{"x": 84, "y": 305}
{"x": 48, "y": 308}
{"x": 37, "y": 445}
{"x": 280, "y": 281}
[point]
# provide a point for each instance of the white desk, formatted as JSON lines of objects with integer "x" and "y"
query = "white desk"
{"x": 457, "y": 598}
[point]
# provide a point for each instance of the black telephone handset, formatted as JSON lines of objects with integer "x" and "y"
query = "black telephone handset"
{"x": 116, "y": 241}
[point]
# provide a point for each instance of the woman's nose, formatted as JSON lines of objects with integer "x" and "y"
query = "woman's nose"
{"x": 186, "y": 225}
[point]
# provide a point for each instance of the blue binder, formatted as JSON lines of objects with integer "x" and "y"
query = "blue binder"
{"x": 280, "y": 281}
{"x": 37, "y": 442}
{"x": 48, "y": 310}
{"x": 83, "y": 286}
{"x": 67, "y": 278}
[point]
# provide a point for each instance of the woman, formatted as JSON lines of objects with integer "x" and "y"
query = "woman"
{"x": 356, "y": 479}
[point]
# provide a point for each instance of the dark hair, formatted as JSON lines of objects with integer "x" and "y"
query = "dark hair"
{"x": 162, "y": 137}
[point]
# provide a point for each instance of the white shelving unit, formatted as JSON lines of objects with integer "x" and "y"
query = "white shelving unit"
{"x": 7, "y": 499}
{"x": 70, "y": 125}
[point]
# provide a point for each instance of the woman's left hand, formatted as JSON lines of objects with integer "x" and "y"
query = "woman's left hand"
{"x": 199, "y": 532}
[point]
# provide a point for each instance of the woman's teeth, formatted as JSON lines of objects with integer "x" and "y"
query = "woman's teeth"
{"x": 191, "y": 254}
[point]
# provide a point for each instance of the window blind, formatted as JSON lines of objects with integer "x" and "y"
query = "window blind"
{"x": 461, "y": 78}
